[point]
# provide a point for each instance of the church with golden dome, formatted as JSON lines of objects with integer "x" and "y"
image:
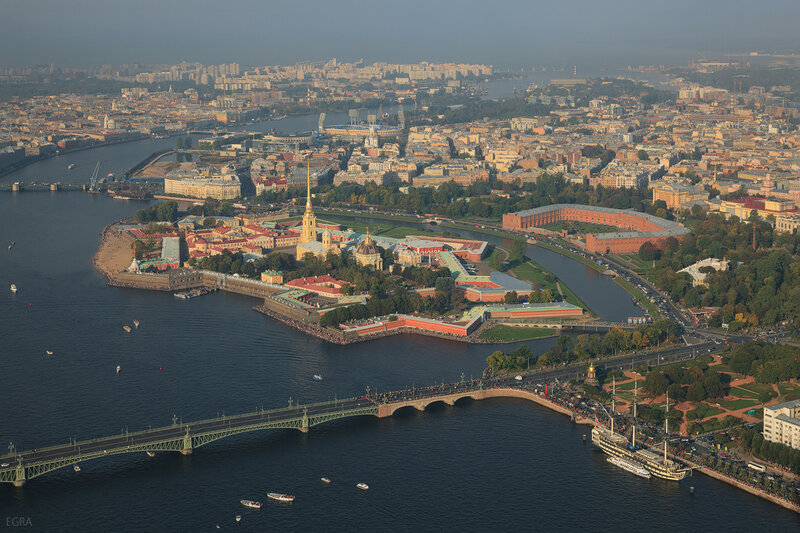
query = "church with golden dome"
{"x": 369, "y": 254}
{"x": 308, "y": 237}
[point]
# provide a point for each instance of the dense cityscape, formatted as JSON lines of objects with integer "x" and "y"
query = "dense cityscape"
{"x": 219, "y": 258}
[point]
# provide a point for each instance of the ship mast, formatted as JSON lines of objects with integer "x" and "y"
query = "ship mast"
{"x": 666, "y": 429}
{"x": 633, "y": 442}
{"x": 613, "y": 395}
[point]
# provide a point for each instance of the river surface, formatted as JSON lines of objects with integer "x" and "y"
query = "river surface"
{"x": 495, "y": 465}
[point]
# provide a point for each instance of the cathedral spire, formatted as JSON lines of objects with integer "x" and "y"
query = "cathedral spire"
{"x": 308, "y": 186}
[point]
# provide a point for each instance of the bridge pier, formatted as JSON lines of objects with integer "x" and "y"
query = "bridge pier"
{"x": 187, "y": 444}
{"x": 19, "y": 476}
{"x": 304, "y": 424}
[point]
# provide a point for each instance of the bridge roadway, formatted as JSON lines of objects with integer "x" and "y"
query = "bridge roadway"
{"x": 18, "y": 467}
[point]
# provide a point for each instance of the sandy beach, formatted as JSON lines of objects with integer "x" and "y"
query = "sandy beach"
{"x": 115, "y": 252}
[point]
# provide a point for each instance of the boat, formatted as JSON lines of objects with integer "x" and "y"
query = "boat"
{"x": 148, "y": 452}
{"x": 126, "y": 328}
{"x": 250, "y": 504}
{"x": 136, "y": 323}
{"x": 363, "y": 486}
{"x": 617, "y": 445}
{"x": 317, "y": 377}
{"x": 287, "y": 498}
{"x": 71, "y": 166}
{"x": 630, "y": 466}
{"x": 279, "y": 118}
{"x": 325, "y": 480}
{"x": 76, "y": 468}
{"x": 238, "y": 518}
{"x": 13, "y": 288}
{"x": 49, "y": 352}
{"x": 118, "y": 369}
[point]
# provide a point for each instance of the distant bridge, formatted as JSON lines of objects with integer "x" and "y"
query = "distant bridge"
{"x": 18, "y": 467}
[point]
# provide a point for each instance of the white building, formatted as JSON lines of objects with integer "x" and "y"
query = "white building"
{"x": 699, "y": 278}
{"x": 782, "y": 423}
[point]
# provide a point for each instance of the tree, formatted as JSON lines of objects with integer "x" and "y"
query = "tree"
{"x": 648, "y": 251}
{"x": 517, "y": 251}
{"x": 642, "y": 155}
{"x": 496, "y": 260}
{"x": 511, "y": 297}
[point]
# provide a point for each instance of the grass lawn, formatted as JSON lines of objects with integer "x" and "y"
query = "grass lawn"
{"x": 639, "y": 295}
{"x": 627, "y": 386}
{"x": 743, "y": 393}
{"x": 704, "y": 410}
{"x": 784, "y": 388}
{"x": 534, "y": 273}
{"x": 636, "y": 261}
{"x": 739, "y": 404}
{"x": 579, "y": 227}
{"x": 755, "y": 388}
{"x": 502, "y": 333}
{"x": 387, "y": 229}
{"x": 627, "y": 396}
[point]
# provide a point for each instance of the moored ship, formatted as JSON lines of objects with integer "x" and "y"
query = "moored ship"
{"x": 617, "y": 445}
{"x": 630, "y": 466}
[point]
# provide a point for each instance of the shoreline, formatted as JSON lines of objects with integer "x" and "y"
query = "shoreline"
{"x": 719, "y": 476}
{"x": 107, "y": 243}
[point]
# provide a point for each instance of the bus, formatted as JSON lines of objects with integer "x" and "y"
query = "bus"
{"x": 757, "y": 467}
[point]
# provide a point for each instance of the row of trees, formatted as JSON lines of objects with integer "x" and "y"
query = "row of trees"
{"x": 161, "y": 212}
{"x": 696, "y": 383}
{"x": 457, "y": 201}
{"x": 767, "y": 363}
{"x": 752, "y": 441}
{"x": 586, "y": 346}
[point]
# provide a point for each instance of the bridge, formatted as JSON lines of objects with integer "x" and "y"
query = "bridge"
{"x": 19, "y": 467}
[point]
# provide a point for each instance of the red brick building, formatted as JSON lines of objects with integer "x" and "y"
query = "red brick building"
{"x": 639, "y": 228}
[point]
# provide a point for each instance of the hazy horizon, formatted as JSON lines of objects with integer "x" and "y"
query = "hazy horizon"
{"x": 505, "y": 33}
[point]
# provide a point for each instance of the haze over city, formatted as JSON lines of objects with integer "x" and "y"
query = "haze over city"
{"x": 410, "y": 266}
{"x": 506, "y": 33}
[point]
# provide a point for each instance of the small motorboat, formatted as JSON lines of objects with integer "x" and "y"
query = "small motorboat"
{"x": 150, "y": 453}
{"x": 76, "y": 468}
{"x": 325, "y": 480}
{"x": 238, "y": 518}
{"x": 363, "y": 486}
{"x": 13, "y": 288}
{"x": 278, "y": 497}
{"x": 317, "y": 377}
{"x": 49, "y": 352}
{"x": 136, "y": 323}
{"x": 250, "y": 504}
{"x": 127, "y": 328}
{"x": 118, "y": 369}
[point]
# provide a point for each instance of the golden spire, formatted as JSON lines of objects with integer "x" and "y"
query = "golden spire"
{"x": 308, "y": 185}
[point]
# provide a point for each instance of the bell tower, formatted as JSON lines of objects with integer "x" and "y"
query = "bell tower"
{"x": 309, "y": 220}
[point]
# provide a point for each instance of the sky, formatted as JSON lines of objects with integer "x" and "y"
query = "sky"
{"x": 506, "y": 33}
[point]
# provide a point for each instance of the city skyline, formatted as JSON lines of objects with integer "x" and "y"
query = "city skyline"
{"x": 509, "y": 34}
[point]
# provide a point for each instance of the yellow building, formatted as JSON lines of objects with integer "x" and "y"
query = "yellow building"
{"x": 272, "y": 276}
{"x": 678, "y": 196}
{"x": 369, "y": 254}
{"x": 308, "y": 236}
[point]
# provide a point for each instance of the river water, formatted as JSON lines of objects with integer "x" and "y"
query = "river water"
{"x": 482, "y": 466}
